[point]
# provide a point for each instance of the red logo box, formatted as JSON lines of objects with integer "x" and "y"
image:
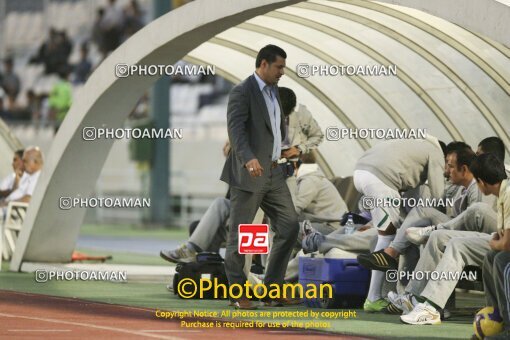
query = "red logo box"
{"x": 253, "y": 239}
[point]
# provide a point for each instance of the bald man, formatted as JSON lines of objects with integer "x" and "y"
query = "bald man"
{"x": 33, "y": 163}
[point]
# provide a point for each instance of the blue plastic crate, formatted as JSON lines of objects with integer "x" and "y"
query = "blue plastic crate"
{"x": 349, "y": 280}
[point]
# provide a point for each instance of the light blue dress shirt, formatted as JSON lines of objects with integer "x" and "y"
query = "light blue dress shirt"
{"x": 269, "y": 94}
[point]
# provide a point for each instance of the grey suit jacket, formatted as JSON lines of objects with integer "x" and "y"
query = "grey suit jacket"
{"x": 250, "y": 135}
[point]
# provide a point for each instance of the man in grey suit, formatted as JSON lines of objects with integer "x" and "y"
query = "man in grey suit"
{"x": 256, "y": 131}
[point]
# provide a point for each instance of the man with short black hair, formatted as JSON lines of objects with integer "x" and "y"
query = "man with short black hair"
{"x": 479, "y": 216}
{"x": 458, "y": 159}
{"x": 454, "y": 244}
{"x": 496, "y": 266}
{"x": 303, "y": 132}
{"x": 288, "y": 99}
{"x": 458, "y": 163}
{"x": 458, "y": 242}
{"x": 424, "y": 299}
{"x": 256, "y": 132}
{"x": 492, "y": 145}
{"x": 303, "y": 135}
{"x": 495, "y": 146}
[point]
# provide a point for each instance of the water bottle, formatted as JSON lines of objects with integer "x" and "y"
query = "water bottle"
{"x": 349, "y": 226}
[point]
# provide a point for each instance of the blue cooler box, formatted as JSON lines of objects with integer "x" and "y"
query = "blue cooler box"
{"x": 349, "y": 280}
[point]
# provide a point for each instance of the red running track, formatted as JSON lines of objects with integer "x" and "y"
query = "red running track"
{"x": 34, "y": 316}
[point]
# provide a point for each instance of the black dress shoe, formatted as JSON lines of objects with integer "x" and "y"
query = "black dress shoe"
{"x": 245, "y": 303}
{"x": 281, "y": 302}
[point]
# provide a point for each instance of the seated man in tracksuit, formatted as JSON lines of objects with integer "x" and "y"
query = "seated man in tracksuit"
{"x": 464, "y": 237}
{"x": 361, "y": 240}
{"x": 496, "y": 266}
{"x": 317, "y": 200}
{"x": 477, "y": 215}
{"x": 318, "y": 203}
{"x": 424, "y": 299}
{"x": 384, "y": 171}
{"x": 458, "y": 161}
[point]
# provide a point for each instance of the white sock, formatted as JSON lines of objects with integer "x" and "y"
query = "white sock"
{"x": 376, "y": 282}
{"x": 383, "y": 241}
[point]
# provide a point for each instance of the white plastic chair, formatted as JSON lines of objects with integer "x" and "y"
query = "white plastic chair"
{"x": 9, "y": 230}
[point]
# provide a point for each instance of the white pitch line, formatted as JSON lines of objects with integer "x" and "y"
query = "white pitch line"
{"x": 70, "y": 299}
{"x": 169, "y": 331}
{"x": 90, "y": 326}
{"x": 39, "y": 330}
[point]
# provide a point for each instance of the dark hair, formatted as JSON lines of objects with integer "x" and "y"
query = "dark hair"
{"x": 288, "y": 99}
{"x": 308, "y": 158}
{"x": 19, "y": 153}
{"x": 64, "y": 71}
{"x": 465, "y": 156}
{"x": 443, "y": 147}
{"x": 488, "y": 168}
{"x": 493, "y": 145}
{"x": 454, "y": 146}
{"x": 269, "y": 53}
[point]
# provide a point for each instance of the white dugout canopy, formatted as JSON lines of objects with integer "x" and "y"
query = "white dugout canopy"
{"x": 452, "y": 79}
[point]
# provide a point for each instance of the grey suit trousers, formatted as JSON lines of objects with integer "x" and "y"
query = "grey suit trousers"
{"x": 275, "y": 200}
